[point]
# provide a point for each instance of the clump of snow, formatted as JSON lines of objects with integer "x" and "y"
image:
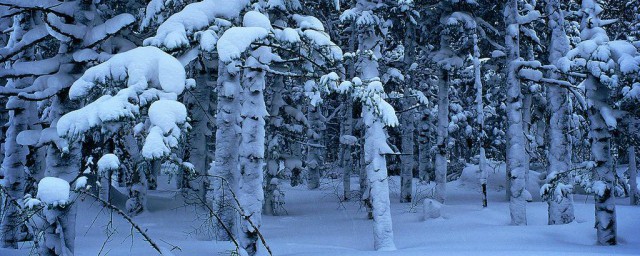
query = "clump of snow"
{"x": 138, "y": 67}
{"x": 236, "y": 40}
{"x": 256, "y": 19}
{"x": 105, "y": 109}
{"x": 348, "y": 140}
{"x": 31, "y": 203}
{"x": 108, "y": 162}
{"x": 167, "y": 114}
{"x": 53, "y": 191}
{"x": 431, "y": 209}
{"x": 81, "y": 183}
{"x": 308, "y": 22}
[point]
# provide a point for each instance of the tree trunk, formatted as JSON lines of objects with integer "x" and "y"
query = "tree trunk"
{"x": 347, "y": 150}
{"x": 515, "y": 133}
{"x": 199, "y": 136}
{"x": 15, "y": 158}
{"x": 633, "y": 173}
{"x": 251, "y": 152}
{"x": 482, "y": 168}
{"x": 443, "y": 137}
{"x": 560, "y": 206}
{"x": 600, "y": 136}
{"x": 226, "y": 150}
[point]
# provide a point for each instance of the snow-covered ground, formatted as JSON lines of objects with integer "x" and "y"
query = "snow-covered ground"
{"x": 317, "y": 224}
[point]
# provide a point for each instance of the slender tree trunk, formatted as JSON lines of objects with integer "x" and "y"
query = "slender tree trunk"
{"x": 443, "y": 135}
{"x": 484, "y": 173}
{"x": 347, "y": 150}
{"x": 375, "y": 145}
{"x": 633, "y": 173}
{"x": 407, "y": 122}
{"x": 199, "y": 136}
{"x": 515, "y": 133}
{"x": 560, "y": 206}
{"x": 600, "y": 136}
{"x": 425, "y": 162}
{"x": 314, "y": 152}
{"x": 136, "y": 181}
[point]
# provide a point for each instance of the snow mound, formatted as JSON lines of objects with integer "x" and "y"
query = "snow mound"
{"x": 431, "y": 209}
{"x": 54, "y": 191}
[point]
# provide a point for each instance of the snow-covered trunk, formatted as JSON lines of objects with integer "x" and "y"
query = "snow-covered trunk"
{"x": 15, "y": 155}
{"x": 559, "y": 156}
{"x": 600, "y": 137}
{"x": 346, "y": 158}
{"x": 60, "y": 227}
{"x": 515, "y": 133}
{"x": 407, "y": 123}
{"x": 14, "y": 161}
{"x": 376, "y": 168}
{"x": 251, "y": 152}
{"x": 442, "y": 137}
{"x": 633, "y": 174}
{"x": 477, "y": 81}
{"x": 375, "y": 145}
{"x": 314, "y": 151}
{"x": 199, "y": 136}
{"x": 226, "y": 151}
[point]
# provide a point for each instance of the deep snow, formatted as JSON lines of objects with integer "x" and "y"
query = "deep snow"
{"x": 317, "y": 224}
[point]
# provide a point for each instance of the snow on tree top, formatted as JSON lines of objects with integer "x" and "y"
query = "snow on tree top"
{"x": 52, "y": 190}
{"x": 236, "y": 40}
{"x": 256, "y": 19}
{"x": 172, "y": 34}
{"x": 108, "y": 162}
{"x": 308, "y": 22}
{"x": 139, "y": 67}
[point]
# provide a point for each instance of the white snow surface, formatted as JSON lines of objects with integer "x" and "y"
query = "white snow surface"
{"x": 317, "y": 224}
{"x": 54, "y": 191}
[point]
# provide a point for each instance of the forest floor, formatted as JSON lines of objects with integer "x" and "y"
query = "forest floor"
{"x": 318, "y": 224}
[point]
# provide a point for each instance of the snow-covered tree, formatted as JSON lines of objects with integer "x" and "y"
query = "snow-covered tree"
{"x": 558, "y": 193}
{"x": 606, "y": 64}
